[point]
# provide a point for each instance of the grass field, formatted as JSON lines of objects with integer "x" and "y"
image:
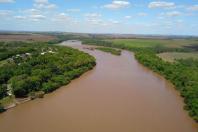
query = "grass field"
{"x": 172, "y": 56}
{"x": 143, "y": 43}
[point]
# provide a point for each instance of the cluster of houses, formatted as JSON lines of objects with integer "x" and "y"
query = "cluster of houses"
{"x": 19, "y": 56}
{"x": 49, "y": 51}
{"x": 43, "y": 53}
{"x": 28, "y": 55}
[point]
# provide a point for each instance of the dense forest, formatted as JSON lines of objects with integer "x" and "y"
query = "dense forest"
{"x": 182, "y": 73}
{"x": 27, "y": 68}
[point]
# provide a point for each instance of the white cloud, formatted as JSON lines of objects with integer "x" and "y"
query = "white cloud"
{"x": 161, "y": 4}
{"x": 173, "y": 13}
{"x": 115, "y": 22}
{"x": 7, "y": 1}
{"x": 95, "y": 21}
{"x": 32, "y": 11}
{"x": 101, "y": 22}
{"x": 32, "y": 14}
{"x": 37, "y": 17}
{"x": 73, "y": 10}
{"x": 193, "y": 8}
{"x": 44, "y": 4}
{"x": 62, "y": 17}
{"x": 161, "y": 16}
{"x": 179, "y": 21}
{"x": 93, "y": 15}
{"x": 5, "y": 12}
{"x": 41, "y": 1}
{"x": 20, "y": 17}
{"x": 33, "y": 17}
{"x": 94, "y": 18}
{"x": 170, "y": 14}
{"x": 142, "y": 14}
{"x": 116, "y": 4}
{"x": 128, "y": 17}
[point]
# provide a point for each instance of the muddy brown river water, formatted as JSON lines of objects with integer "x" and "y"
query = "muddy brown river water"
{"x": 118, "y": 95}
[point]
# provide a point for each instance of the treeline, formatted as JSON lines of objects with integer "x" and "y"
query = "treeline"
{"x": 156, "y": 49}
{"x": 110, "y": 50}
{"x": 60, "y": 38}
{"x": 98, "y": 42}
{"x": 9, "y": 49}
{"x": 46, "y": 68}
{"x": 183, "y": 73}
{"x": 3, "y": 91}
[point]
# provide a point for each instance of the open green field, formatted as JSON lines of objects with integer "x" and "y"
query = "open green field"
{"x": 143, "y": 43}
{"x": 172, "y": 56}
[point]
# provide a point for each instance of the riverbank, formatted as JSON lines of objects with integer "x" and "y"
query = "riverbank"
{"x": 11, "y": 102}
{"x": 109, "y": 98}
{"x": 183, "y": 73}
{"x": 110, "y": 50}
{"x": 34, "y": 69}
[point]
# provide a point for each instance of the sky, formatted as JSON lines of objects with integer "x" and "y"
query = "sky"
{"x": 165, "y": 17}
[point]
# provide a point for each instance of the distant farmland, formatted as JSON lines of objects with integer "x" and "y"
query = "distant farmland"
{"x": 26, "y": 37}
{"x": 170, "y": 43}
{"x": 172, "y": 56}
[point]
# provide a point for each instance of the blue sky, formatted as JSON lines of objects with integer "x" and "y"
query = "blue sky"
{"x": 172, "y": 17}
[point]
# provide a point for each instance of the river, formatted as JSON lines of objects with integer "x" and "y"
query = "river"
{"x": 118, "y": 95}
